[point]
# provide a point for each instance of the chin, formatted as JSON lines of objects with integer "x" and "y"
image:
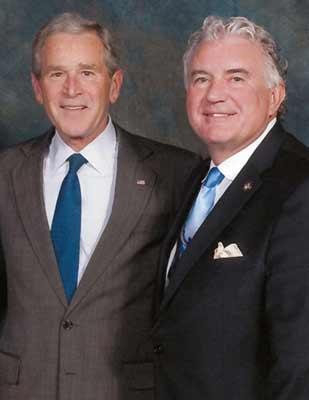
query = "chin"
{"x": 73, "y": 133}
{"x": 212, "y": 137}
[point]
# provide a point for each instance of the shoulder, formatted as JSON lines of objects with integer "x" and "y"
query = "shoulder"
{"x": 293, "y": 160}
{"x": 166, "y": 153}
{"x": 288, "y": 177}
{"x": 13, "y": 155}
{"x": 282, "y": 159}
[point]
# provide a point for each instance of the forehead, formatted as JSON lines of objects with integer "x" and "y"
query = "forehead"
{"x": 229, "y": 52}
{"x": 65, "y": 46}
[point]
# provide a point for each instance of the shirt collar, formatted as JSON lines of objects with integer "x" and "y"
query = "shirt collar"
{"x": 231, "y": 167}
{"x": 100, "y": 152}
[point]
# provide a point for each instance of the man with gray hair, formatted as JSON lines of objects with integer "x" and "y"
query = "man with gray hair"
{"x": 83, "y": 212}
{"x": 232, "y": 315}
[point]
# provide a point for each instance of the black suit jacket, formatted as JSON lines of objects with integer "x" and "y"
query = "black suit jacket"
{"x": 238, "y": 328}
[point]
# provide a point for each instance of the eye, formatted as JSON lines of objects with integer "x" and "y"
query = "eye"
{"x": 198, "y": 80}
{"x": 237, "y": 79}
{"x": 56, "y": 74}
{"x": 88, "y": 73}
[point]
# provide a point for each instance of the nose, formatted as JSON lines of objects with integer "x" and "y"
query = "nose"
{"x": 216, "y": 91}
{"x": 72, "y": 86}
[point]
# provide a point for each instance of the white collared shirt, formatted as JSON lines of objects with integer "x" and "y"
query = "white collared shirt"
{"x": 97, "y": 182}
{"x": 231, "y": 167}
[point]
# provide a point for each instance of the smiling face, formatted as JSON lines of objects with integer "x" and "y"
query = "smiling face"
{"x": 229, "y": 102}
{"x": 75, "y": 86}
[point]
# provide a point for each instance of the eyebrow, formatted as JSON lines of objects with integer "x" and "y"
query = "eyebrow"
{"x": 229, "y": 71}
{"x": 53, "y": 68}
{"x": 80, "y": 66}
{"x": 87, "y": 66}
{"x": 199, "y": 72}
{"x": 238, "y": 71}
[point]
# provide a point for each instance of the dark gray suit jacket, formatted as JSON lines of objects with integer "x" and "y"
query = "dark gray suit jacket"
{"x": 50, "y": 350}
{"x": 238, "y": 328}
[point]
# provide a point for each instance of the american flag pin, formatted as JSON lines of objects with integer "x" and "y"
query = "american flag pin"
{"x": 141, "y": 182}
{"x": 247, "y": 186}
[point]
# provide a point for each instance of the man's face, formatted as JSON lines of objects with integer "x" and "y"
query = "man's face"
{"x": 229, "y": 103}
{"x": 75, "y": 87}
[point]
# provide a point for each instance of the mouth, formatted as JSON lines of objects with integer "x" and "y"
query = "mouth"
{"x": 218, "y": 115}
{"x": 73, "y": 108}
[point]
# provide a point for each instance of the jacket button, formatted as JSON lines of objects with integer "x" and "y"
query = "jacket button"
{"x": 158, "y": 349}
{"x": 67, "y": 325}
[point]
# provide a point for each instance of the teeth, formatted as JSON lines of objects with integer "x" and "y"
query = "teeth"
{"x": 218, "y": 115}
{"x": 73, "y": 107}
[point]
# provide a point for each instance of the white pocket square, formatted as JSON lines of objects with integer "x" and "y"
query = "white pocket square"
{"x": 232, "y": 250}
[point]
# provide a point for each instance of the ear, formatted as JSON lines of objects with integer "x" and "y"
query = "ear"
{"x": 116, "y": 84}
{"x": 278, "y": 94}
{"x": 36, "y": 86}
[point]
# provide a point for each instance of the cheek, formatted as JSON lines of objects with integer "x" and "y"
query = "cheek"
{"x": 192, "y": 102}
{"x": 254, "y": 96}
{"x": 50, "y": 94}
{"x": 99, "y": 94}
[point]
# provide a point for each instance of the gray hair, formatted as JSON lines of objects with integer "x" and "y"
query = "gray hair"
{"x": 214, "y": 28}
{"x": 74, "y": 23}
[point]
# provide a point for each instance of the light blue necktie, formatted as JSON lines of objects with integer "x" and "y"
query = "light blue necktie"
{"x": 65, "y": 230}
{"x": 202, "y": 206}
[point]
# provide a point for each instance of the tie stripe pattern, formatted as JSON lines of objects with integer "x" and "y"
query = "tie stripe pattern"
{"x": 201, "y": 208}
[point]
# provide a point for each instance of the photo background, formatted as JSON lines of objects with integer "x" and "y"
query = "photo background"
{"x": 152, "y": 36}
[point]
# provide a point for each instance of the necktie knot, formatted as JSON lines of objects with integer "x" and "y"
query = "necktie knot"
{"x": 214, "y": 178}
{"x": 76, "y": 160}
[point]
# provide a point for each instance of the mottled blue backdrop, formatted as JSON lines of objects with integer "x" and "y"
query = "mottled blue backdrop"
{"x": 152, "y": 35}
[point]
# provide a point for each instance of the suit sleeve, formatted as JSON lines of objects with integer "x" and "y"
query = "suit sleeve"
{"x": 287, "y": 299}
{"x": 3, "y": 289}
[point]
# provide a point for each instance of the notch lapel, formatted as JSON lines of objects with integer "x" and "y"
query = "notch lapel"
{"x": 130, "y": 200}
{"x": 27, "y": 180}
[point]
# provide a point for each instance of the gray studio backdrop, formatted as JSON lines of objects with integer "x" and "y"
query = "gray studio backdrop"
{"x": 152, "y": 35}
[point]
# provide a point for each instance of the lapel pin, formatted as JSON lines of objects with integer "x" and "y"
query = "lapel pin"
{"x": 247, "y": 186}
{"x": 141, "y": 182}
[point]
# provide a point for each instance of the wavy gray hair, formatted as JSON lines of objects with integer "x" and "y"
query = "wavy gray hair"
{"x": 214, "y": 28}
{"x": 74, "y": 23}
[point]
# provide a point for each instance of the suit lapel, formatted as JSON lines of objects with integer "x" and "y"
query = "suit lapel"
{"x": 134, "y": 184}
{"x": 27, "y": 180}
{"x": 239, "y": 192}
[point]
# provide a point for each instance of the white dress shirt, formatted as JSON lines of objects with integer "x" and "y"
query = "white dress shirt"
{"x": 230, "y": 168}
{"x": 97, "y": 182}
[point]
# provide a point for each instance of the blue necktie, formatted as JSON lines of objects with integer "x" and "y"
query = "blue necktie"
{"x": 65, "y": 229}
{"x": 202, "y": 206}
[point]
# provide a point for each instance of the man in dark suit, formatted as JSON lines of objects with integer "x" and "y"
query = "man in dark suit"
{"x": 83, "y": 212}
{"x": 232, "y": 320}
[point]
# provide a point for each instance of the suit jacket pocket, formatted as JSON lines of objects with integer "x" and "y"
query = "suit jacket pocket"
{"x": 9, "y": 368}
{"x": 139, "y": 376}
{"x": 229, "y": 262}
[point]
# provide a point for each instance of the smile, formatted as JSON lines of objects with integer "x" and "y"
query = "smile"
{"x": 73, "y": 108}
{"x": 219, "y": 115}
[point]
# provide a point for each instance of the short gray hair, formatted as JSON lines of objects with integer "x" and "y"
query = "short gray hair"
{"x": 75, "y": 23}
{"x": 214, "y": 28}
